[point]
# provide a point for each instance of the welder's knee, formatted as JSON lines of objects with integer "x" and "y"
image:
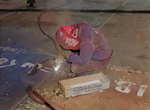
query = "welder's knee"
{"x": 74, "y": 69}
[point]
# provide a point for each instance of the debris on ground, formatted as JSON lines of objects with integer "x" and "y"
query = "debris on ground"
{"x": 139, "y": 72}
{"x": 124, "y": 85}
{"x": 119, "y": 79}
{"x": 100, "y": 91}
{"x": 141, "y": 90}
{"x": 31, "y": 106}
{"x": 127, "y": 69}
{"x": 56, "y": 93}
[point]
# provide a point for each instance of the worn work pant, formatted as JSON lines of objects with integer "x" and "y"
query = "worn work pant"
{"x": 90, "y": 66}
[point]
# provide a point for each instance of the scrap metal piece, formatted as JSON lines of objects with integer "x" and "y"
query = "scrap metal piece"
{"x": 44, "y": 60}
{"x": 34, "y": 68}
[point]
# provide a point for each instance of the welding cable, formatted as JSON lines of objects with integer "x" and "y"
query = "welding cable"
{"x": 40, "y": 18}
{"x": 41, "y": 28}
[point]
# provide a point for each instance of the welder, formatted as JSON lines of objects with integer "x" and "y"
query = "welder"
{"x": 89, "y": 48}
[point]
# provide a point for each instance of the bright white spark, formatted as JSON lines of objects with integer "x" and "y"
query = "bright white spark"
{"x": 57, "y": 67}
{"x": 58, "y": 64}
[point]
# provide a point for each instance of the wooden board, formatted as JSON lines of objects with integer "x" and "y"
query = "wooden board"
{"x": 112, "y": 99}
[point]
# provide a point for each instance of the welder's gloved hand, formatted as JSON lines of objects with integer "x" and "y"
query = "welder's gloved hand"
{"x": 64, "y": 68}
{"x": 60, "y": 58}
{"x": 68, "y": 61}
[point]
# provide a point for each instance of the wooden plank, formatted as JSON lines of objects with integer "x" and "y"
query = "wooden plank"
{"x": 112, "y": 99}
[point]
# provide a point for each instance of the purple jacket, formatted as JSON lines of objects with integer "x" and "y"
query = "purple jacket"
{"x": 93, "y": 45}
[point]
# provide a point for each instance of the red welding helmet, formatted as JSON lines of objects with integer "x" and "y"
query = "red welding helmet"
{"x": 65, "y": 38}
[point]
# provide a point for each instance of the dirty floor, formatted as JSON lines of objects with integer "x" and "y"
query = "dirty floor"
{"x": 22, "y": 43}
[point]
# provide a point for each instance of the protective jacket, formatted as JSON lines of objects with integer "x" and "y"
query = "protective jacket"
{"x": 93, "y": 45}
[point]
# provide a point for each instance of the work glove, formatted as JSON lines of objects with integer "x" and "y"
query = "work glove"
{"x": 68, "y": 61}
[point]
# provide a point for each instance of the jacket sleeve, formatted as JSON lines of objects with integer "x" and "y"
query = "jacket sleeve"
{"x": 86, "y": 51}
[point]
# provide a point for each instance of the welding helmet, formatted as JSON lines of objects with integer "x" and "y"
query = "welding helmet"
{"x": 66, "y": 39}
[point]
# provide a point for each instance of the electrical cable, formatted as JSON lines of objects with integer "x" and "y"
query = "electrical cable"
{"x": 40, "y": 18}
{"x": 41, "y": 28}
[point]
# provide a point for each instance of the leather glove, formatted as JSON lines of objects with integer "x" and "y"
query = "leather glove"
{"x": 68, "y": 61}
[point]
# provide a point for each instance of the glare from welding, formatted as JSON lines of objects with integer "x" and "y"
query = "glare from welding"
{"x": 57, "y": 67}
{"x": 58, "y": 64}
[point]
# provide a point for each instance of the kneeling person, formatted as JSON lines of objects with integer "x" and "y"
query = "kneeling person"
{"x": 90, "y": 49}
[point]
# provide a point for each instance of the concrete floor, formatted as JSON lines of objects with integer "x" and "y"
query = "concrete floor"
{"x": 21, "y": 40}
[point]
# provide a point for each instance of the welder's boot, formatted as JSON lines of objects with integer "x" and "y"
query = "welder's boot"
{"x": 83, "y": 74}
{"x": 31, "y": 3}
